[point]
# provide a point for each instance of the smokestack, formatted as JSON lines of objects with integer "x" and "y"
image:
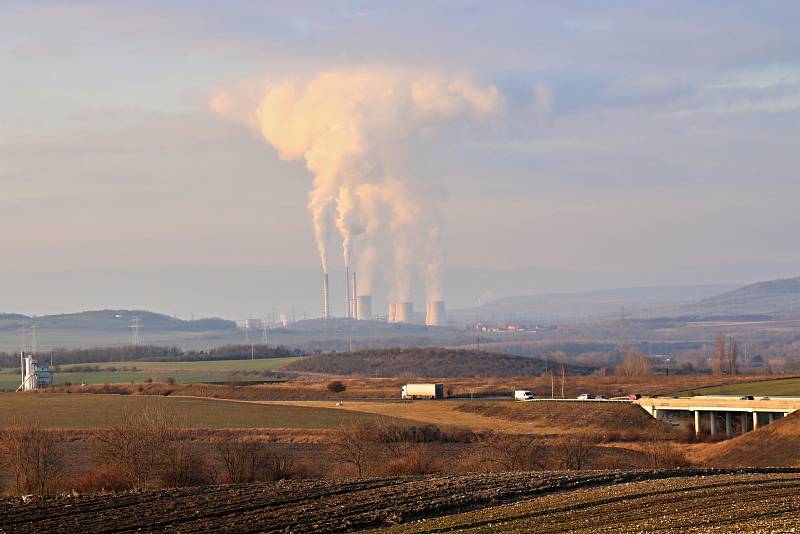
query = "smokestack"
{"x": 348, "y": 307}
{"x": 392, "y": 313}
{"x": 354, "y": 299}
{"x": 326, "y": 303}
{"x": 364, "y": 307}
{"x": 435, "y": 314}
{"x": 405, "y": 312}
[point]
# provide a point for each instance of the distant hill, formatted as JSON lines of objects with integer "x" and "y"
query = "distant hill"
{"x": 427, "y": 362}
{"x": 117, "y": 319}
{"x": 776, "y": 298}
{"x": 588, "y": 304}
{"x": 775, "y": 445}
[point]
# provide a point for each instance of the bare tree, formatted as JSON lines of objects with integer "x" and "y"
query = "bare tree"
{"x": 718, "y": 367}
{"x": 575, "y": 450}
{"x": 35, "y": 458}
{"x": 513, "y": 453}
{"x": 351, "y": 445}
{"x": 137, "y": 442}
{"x": 661, "y": 453}
{"x": 242, "y": 461}
{"x": 732, "y": 355}
{"x": 634, "y": 364}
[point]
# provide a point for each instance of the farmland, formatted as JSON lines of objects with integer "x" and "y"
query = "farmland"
{"x": 182, "y": 372}
{"x": 54, "y": 410}
{"x": 670, "y": 501}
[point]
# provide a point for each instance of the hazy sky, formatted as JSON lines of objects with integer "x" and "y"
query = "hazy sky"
{"x": 632, "y": 135}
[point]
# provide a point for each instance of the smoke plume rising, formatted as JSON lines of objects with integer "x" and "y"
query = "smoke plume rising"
{"x": 350, "y": 126}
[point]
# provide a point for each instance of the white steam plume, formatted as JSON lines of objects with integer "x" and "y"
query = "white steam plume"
{"x": 349, "y": 125}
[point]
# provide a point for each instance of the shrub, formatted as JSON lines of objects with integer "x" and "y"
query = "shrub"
{"x": 35, "y": 458}
{"x": 103, "y": 478}
{"x": 337, "y": 386}
{"x": 171, "y": 380}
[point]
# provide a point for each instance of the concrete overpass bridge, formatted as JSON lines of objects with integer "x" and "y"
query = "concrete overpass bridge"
{"x": 722, "y": 411}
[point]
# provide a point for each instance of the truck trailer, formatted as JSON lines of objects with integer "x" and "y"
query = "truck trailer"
{"x": 422, "y": 391}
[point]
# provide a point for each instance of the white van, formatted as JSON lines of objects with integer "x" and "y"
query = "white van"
{"x": 523, "y": 395}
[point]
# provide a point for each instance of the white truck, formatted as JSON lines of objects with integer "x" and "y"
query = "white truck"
{"x": 523, "y": 395}
{"x": 422, "y": 391}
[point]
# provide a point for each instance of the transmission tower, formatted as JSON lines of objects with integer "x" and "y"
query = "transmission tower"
{"x": 264, "y": 331}
{"x": 136, "y": 331}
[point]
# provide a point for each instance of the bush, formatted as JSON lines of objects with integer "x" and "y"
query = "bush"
{"x": 171, "y": 380}
{"x": 34, "y": 457}
{"x": 103, "y": 478}
{"x": 336, "y": 386}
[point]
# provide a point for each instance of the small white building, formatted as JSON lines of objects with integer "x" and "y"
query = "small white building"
{"x": 35, "y": 375}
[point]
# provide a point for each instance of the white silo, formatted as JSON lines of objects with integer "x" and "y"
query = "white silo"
{"x": 405, "y": 312}
{"x": 435, "y": 313}
{"x": 392, "y": 316}
{"x": 364, "y": 307}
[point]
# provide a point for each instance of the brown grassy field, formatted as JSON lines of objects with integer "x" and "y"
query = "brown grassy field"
{"x": 314, "y": 387}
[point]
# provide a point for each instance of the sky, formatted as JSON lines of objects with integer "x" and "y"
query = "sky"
{"x": 629, "y": 136}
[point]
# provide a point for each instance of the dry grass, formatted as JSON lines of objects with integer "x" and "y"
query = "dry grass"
{"x": 314, "y": 387}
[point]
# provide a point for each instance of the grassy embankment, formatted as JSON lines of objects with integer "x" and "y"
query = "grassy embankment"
{"x": 773, "y": 386}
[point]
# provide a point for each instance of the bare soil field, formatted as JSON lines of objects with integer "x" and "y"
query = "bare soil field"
{"x": 720, "y": 503}
{"x": 677, "y": 501}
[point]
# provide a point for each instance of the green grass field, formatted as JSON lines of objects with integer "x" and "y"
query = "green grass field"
{"x": 60, "y": 410}
{"x": 777, "y": 386}
{"x": 182, "y": 372}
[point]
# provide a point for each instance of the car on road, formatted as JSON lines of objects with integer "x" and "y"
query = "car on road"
{"x": 603, "y": 397}
{"x": 747, "y": 397}
{"x": 585, "y": 396}
{"x": 634, "y": 396}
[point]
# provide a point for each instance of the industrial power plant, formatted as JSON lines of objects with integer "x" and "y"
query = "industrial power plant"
{"x": 359, "y": 307}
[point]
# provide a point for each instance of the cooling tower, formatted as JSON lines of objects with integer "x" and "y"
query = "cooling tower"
{"x": 435, "y": 314}
{"x": 392, "y": 317}
{"x": 405, "y": 312}
{"x": 326, "y": 303}
{"x": 364, "y": 307}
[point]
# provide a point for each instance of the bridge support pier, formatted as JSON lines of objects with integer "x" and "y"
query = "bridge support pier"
{"x": 755, "y": 420}
{"x": 744, "y": 422}
{"x": 728, "y": 424}
{"x": 712, "y": 416}
{"x": 696, "y": 422}
{"x": 771, "y": 417}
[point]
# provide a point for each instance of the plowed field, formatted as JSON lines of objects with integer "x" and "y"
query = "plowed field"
{"x": 552, "y": 502}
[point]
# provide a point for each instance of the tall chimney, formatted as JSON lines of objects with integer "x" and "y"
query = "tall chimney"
{"x": 347, "y": 278}
{"x": 354, "y": 299}
{"x": 326, "y": 303}
{"x": 435, "y": 315}
{"x": 405, "y": 312}
{"x": 364, "y": 307}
